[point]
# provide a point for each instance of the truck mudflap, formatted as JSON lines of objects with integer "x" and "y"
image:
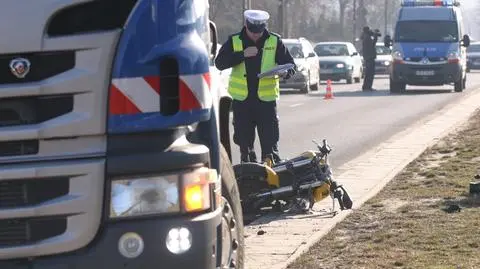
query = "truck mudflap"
{"x": 149, "y": 239}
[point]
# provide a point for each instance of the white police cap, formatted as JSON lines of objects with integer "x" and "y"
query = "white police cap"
{"x": 256, "y": 16}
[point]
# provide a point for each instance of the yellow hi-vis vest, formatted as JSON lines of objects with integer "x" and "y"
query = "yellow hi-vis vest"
{"x": 269, "y": 87}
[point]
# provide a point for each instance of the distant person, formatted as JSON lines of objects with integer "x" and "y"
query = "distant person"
{"x": 250, "y": 52}
{"x": 369, "y": 40}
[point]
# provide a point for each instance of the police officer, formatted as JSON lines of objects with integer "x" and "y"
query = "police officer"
{"x": 250, "y": 52}
{"x": 369, "y": 40}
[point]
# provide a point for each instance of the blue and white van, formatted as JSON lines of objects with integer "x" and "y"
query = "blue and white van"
{"x": 429, "y": 45}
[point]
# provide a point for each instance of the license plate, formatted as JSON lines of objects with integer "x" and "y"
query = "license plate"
{"x": 425, "y": 72}
{"x": 326, "y": 71}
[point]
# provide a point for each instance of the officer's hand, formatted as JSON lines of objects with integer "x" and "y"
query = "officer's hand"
{"x": 250, "y": 52}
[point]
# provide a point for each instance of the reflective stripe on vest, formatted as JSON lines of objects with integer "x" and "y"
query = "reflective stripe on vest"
{"x": 268, "y": 88}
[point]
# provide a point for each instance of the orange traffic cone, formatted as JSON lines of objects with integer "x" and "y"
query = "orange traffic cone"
{"x": 329, "y": 94}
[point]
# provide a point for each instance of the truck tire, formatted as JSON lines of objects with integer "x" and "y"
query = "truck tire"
{"x": 232, "y": 246}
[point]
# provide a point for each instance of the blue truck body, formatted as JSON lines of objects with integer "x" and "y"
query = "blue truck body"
{"x": 135, "y": 172}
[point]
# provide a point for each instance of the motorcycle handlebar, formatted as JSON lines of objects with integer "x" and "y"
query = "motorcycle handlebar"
{"x": 325, "y": 148}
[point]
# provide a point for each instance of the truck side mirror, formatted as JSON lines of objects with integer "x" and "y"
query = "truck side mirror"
{"x": 466, "y": 41}
{"x": 387, "y": 40}
{"x": 213, "y": 40}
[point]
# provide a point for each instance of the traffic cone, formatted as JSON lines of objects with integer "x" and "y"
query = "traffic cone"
{"x": 329, "y": 94}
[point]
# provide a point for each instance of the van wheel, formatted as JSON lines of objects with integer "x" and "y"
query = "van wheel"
{"x": 397, "y": 87}
{"x": 460, "y": 85}
{"x": 232, "y": 246}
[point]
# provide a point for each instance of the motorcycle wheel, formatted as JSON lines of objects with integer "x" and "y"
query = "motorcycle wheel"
{"x": 251, "y": 180}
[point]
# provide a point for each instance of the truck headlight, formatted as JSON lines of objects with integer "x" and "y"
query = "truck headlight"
{"x": 174, "y": 193}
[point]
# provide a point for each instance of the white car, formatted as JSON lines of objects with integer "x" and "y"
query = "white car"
{"x": 384, "y": 59}
{"x": 307, "y": 76}
{"x": 224, "y": 75}
{"x": 339, "y": 60}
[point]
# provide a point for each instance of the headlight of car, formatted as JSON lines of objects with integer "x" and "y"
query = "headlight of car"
{"x": 340, "y": 65}
{"x": 387, "y": 63}
{"x": 397, "y": 55}
{"x": 160, "y": 194}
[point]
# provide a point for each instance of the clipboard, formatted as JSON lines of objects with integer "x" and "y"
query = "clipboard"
{"x": 277, "y": 70}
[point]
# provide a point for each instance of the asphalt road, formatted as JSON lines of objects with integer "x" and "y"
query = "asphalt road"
{"x": 354, "y": 121}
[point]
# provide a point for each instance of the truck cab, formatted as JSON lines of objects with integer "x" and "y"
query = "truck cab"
{"x": 113, "y": 138}
{"x": 429, "y": 45}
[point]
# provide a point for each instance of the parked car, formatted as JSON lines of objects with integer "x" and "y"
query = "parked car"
{"x": 224, "y": 74}
{"x": 384, "y": 59}
{"x": 307, "y": 76}
{"x": 339, "y": 60}
{"x": 473, "y": 56}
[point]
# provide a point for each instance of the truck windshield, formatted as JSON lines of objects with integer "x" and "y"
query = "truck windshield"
{"x": 426, "y": 31}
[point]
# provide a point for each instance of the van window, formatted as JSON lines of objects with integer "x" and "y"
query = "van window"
{"x": 426, "y": 31}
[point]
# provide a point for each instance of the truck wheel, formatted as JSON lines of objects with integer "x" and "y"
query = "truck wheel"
{"x": 232, "y": 244}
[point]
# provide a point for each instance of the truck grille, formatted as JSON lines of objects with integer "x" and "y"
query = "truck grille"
{"x": 23, "y": 231}
{"x": 431, "y": 59}
{"x": 20, "y": 193}
{"x": 18, "y": 148}
{"x": 43, "y": 66}
{"x": 33, "y": 110}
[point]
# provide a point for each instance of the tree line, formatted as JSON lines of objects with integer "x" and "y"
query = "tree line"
{"x": 316, "y": 20}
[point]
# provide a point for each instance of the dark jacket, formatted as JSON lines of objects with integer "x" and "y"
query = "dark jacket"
{"x": 226, "y": 58}
{"x": 368, "y": 46}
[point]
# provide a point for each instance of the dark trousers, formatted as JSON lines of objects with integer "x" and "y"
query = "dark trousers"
{"x": 254, "y": 114}
{"x": 369, "y": 74}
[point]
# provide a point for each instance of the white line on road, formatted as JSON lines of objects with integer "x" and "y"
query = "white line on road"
{"x": 295, "y": 105}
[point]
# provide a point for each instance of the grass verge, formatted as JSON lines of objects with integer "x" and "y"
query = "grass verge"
{"x": 424, "y": 218}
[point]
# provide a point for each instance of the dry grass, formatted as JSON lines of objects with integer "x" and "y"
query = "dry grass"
{"x": 406, "y": 225}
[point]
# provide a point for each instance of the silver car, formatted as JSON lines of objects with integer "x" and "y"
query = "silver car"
{"x": 307, "y": 76}
{"x": 473, "y": 56}
{"x": 339, "y": 60}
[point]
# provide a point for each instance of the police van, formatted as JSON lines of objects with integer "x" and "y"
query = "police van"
{"x": 429, "y": 45}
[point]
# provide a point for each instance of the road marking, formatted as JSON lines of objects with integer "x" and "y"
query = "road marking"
{"x": 295, "y": 105}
